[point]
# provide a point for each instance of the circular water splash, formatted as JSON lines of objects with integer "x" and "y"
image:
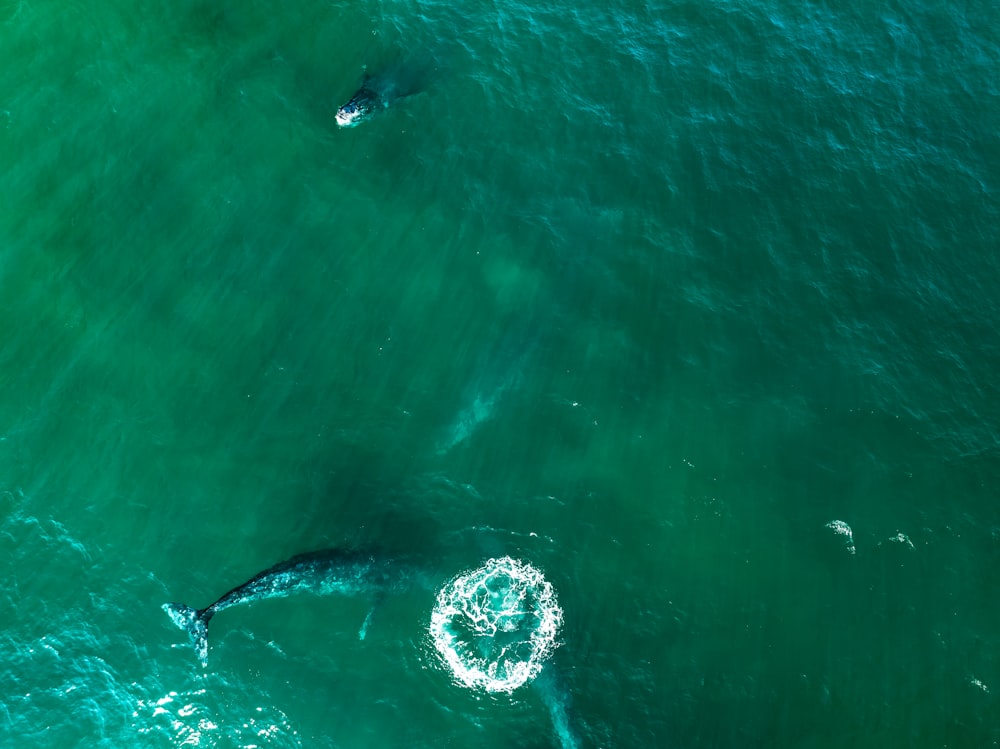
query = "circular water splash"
{"x": 496, "y": 625}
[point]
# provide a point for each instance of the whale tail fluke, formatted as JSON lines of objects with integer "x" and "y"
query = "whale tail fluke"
{"x": 195, "y": 623}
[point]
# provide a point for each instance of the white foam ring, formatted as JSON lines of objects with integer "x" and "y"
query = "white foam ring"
{"x": 495, "y": 626}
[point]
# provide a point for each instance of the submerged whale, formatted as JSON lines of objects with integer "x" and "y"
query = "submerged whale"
{"x": 331, "y": 571}
{"x": 557, "y": 699}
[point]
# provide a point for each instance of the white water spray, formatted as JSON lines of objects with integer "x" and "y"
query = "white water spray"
{"x": 495, "y": 626}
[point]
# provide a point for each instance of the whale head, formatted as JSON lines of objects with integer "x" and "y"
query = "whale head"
{"x": 360, "y": 107}
{"x": 350, "y": 115}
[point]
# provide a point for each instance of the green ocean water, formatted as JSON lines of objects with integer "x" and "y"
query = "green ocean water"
{"x": 645, "y": 294}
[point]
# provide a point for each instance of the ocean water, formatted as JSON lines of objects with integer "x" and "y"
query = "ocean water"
{"x": 648, "y": 295}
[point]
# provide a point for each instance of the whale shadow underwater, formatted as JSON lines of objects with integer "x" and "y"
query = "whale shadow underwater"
{"x": 330, "y": 571}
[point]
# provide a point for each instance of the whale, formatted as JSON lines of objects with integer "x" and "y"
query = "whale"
{"x": 395, "y": 80}
{"x": 327, "y": 572}
{"x": 365, "y": 102}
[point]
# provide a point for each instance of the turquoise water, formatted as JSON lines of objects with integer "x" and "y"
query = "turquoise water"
{"x": 644, "y": 294}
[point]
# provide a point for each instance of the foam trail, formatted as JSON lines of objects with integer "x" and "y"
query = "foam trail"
{"x": 477, "y": 412}
{"x": 498, "y": 374}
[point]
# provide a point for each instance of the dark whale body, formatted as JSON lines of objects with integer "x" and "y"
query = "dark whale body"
{"x": 331, "y": 571}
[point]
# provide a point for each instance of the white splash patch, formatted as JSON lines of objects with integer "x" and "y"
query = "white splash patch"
{"x": 495, "y": 626}
{"x": 843, "y": 529}
{"x": 902, "y": 539}
{"x": 194, "y": 719}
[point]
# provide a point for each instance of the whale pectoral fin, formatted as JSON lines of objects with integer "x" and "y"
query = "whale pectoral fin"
{"x": 364, "y": 625}
{"x": 379, "y": 597}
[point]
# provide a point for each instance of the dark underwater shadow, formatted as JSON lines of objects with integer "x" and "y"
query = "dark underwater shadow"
{"x": 403, "y": 76}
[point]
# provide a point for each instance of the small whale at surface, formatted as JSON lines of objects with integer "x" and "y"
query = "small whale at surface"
{"x": 381, "y": 91}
